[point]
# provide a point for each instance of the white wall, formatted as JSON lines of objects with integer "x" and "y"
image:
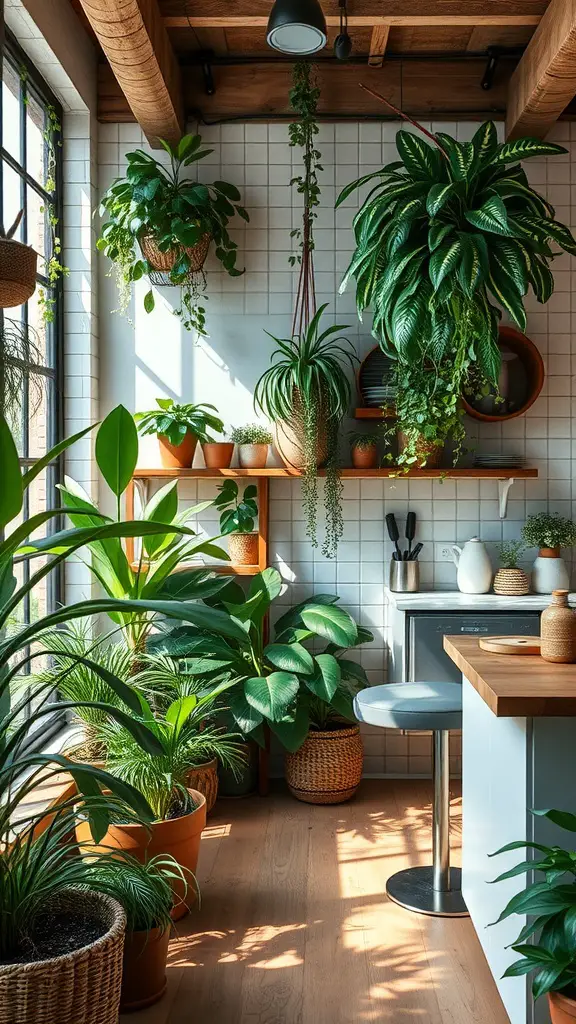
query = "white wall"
{"x": 152, "y": 356}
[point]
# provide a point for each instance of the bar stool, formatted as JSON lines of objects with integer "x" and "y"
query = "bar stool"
{"x": 437, "y": 706}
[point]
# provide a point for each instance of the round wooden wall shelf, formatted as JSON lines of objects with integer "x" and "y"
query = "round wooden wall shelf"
{"x": 526, "y": 377}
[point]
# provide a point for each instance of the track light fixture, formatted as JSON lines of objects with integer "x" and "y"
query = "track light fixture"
{"x": 343, "y": 43}
{"x": 297, "y": 26}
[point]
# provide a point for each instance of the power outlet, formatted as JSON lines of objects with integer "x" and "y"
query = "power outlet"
{"x": 443, "y": 552}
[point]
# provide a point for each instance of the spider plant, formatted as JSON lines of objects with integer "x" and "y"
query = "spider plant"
{"x": 450, "y": 234}
{"x": 145, "y": 890}
{"x": 307, "y": 387}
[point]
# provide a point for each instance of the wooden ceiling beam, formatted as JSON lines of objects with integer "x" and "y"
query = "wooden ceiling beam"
{"x": 378, "y": 44}
{"x": 135, "y": 41}
{"x": 358, "y": 21}
{"x": 544, "y": 82}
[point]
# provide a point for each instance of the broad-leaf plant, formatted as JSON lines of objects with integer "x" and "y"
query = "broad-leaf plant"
{"x": 178, "y": 212}
{"x": 448, "y": 236}
{"x": 281, "y": 682}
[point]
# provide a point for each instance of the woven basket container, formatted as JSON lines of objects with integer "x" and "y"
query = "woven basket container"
{"x": 204, "y": 778}
{"x": 82, "y": 987}
{"x": 511, "y": 583}
{"x": 17, "y": 272}
{"x": 162, "y": 262}
{"x": 328, "y": 767}
{"x": 243, "y": 548}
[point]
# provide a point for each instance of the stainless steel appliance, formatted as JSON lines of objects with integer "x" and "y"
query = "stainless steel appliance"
{"x": 425, "y": 657}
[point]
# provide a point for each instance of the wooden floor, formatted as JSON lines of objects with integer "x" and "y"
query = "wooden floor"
{"x": 295, "y": 928}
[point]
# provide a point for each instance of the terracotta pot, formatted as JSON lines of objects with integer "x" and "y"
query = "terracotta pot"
{"x": 243, "y": 548}
{"x": 204, "y": 778}
{"x": 232, "y": 788}
{"x": 511, "y": 583}
{"x": 365, "y": 458}
{"x": 218, "y": 454}
{"x": 144, "y": 968}
{"x": 562, "y": 1008}
{"x": 253, "y": 456}
{"x": 177, "y": 456}
{"x": 178, "y": 836}
{"x": 328, "y": 767}
{"x": 429, "y": 455}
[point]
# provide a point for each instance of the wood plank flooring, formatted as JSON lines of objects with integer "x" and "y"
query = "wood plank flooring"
{"x": 295, "y": 926}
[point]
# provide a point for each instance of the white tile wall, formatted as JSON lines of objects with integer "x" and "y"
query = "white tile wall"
{"x": 149, "y": 356}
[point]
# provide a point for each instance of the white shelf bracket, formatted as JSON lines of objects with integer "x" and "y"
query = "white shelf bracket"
{"x": 503, "y": 492}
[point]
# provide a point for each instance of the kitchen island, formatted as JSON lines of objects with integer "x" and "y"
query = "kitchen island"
{"x": 518, "y": 753}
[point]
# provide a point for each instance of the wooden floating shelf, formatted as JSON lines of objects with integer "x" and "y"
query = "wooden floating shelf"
{"x": 348, "y": 473}
{"x": 371, "y": 413}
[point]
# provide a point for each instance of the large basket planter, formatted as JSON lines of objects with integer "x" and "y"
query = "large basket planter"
{"x": 177, "y": 836}
{"x": 18, "y": 264}
{"x": 204, "y": 778}
{"x": 82, "y": 987}
{"x": 328, "y": 767}
{"x": 161, "y": 263}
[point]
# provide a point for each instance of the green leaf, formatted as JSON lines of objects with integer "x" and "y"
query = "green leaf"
{"x": 290, "y": 658}
{"x": 332, "y": 623}
{"x": 416, "y": 155}
{"x": 292, "y": 734}
{"x": 53, "y": 454}
{"x": 437, "y": 233}
{"x": 11, "y": 492}
{"x": 230, "y": 191}
{"x": 161, "y": 508}
{"x": 504, "y": 292}
{"x": 565, "y": 819}
{"x": 438, "y": 196}
{"x": 489, "y": 357}
{"x": 542, "y": 280}
{"x": 326, "y": 680}
{"x": 522, "y": 149}
{"x": 149, "y": 301}
{"x": 117, "y": 449}
{"x": 407, "y": 318}
{"x": 246, "y": 717}
{"x": 485, "y": 144}
{"x": 491, "y": 216}
{"x": 272, "y": 695}
{"x": 444, "y": 261}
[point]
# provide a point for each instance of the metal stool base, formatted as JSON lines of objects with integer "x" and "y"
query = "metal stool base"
{"x": 412, "y": 889}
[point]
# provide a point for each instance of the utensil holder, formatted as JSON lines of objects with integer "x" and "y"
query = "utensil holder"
{"x": 404, "y": 577}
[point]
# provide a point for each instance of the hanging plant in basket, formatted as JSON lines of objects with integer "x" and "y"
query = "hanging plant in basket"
{"x": 18, "y": 264}
{"x": 161, "y": 224}
{"x": 450, "y": 234}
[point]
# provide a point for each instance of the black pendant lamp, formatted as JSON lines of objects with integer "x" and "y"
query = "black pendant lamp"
{"x": 297, "y": 26}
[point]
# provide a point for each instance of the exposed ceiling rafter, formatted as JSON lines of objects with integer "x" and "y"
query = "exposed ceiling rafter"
{"x": 544, "y": 82}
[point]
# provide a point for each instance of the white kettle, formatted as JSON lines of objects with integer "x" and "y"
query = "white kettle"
{"x": 474, "y": 574}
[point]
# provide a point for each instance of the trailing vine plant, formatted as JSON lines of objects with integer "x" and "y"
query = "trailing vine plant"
{"x": 54, "y": 268}
{"x": 315, "y": 412}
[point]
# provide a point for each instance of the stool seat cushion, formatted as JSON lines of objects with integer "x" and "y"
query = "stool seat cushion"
{"x": 411, "y": 706}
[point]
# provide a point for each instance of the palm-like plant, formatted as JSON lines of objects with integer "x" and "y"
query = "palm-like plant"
{"x": 307, "y": 385}
{"x": 145, "y": 890}
{"x": 450, "y": 233}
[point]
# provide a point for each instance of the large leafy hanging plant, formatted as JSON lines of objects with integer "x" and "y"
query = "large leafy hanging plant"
{"x": 450, "y": 234}
{"x": 157, "y": 205}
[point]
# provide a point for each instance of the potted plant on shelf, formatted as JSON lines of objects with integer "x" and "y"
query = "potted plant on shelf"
{"x": 306, "y": 394}
{"x": 550, "y": 533}
{"x": 253, "y": 443}
{"x": 217, "y": 454}
{"x": 304, "y": 697}
{"x": 549, "y": 906}
{"x": 178, "y": 429}
{"x": 510, "y": 580}
{"x": 237, "y": 519}
{"x": 364, "y": 449}
{"x": 172, "y": 220}
{"x": 451, "y": 233}
{"x": 145, "y": 891}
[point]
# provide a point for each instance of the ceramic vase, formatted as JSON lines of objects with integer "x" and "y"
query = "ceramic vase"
{"x": 558, "y": 630}
{"x": 549, "y": 572}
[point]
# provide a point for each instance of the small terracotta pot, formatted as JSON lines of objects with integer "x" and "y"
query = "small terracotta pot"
{"x": 365, "y": 458}
{"x": 218, "y": 454}
{"x": 428, "y": 455}
{"x": 204, "y": 778}
{"x": 243, "y": 548}
{"x": 549, "y": 553}
{"x": 144, "y": 968}
{"x": 177, "y": 456}
{"x": 178, "y": 836}
{"x": 253, "y": 456}
{"x": 562, "y": 1008}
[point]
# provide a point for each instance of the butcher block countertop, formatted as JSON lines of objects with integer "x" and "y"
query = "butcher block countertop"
{"x": 515, "y": 686}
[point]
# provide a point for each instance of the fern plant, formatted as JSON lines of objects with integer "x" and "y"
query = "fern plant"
{"x": 451, "y": 234}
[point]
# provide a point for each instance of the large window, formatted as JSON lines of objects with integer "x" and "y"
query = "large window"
{"x": 31, "y": 338}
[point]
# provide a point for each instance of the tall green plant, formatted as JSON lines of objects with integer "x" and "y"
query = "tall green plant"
{"x": 450, "y": 234}
{"x": 307, "y": 386}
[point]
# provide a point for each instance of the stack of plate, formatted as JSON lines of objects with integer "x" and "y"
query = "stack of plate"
{"x": 487, "y": 461}
{"x": 375, "y": 380}
{"x": 379, "y": 395}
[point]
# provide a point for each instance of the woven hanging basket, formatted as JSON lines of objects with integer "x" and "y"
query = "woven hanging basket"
{"x": 18, "y": 264}
{"x": 162, "y": 262}
{"x": 82, "y": 987}
{"x": 328, "y": 767}
{"x": 204, "y": 778}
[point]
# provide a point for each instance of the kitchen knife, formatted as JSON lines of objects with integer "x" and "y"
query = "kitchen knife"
{"x": 410, "y": 533}
{"x": 394, "y": 534}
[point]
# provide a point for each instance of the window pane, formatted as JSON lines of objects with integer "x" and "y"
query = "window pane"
{"x": 37, "y": 226}
{"x": 38, "y": 332}
{"x": 35, "y": 145}
{"x": 41, "y": 391}
{"x": 11, "y": 111}
{"x": 11, "y": 198}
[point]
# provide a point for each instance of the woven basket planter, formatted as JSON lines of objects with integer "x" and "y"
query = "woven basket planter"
{"x": 328, "y": 767}
{"x": 204, "y": 779}
{"x": 161, "y": 263}
{"x": 511, "y": 583}
{"x": 243, "y": 548}
{"x": 82, "y": 987}
{"x": 18, "y": 264}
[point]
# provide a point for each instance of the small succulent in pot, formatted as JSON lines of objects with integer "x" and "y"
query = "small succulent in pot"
{"x": 178, "y": 429}
{"x": 237, "y": 520}
{"x": 253, "y": 442}
{"x": 364, "y": 450}
{"x": 510, "y": 580}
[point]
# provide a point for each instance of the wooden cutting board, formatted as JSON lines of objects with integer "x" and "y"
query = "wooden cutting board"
{"x": 510, "y": 644}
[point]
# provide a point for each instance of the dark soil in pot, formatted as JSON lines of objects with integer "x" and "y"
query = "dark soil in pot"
{"x": 54, "y": 935}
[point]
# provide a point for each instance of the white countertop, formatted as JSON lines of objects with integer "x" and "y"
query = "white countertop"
{"x": 451, "y": 600}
